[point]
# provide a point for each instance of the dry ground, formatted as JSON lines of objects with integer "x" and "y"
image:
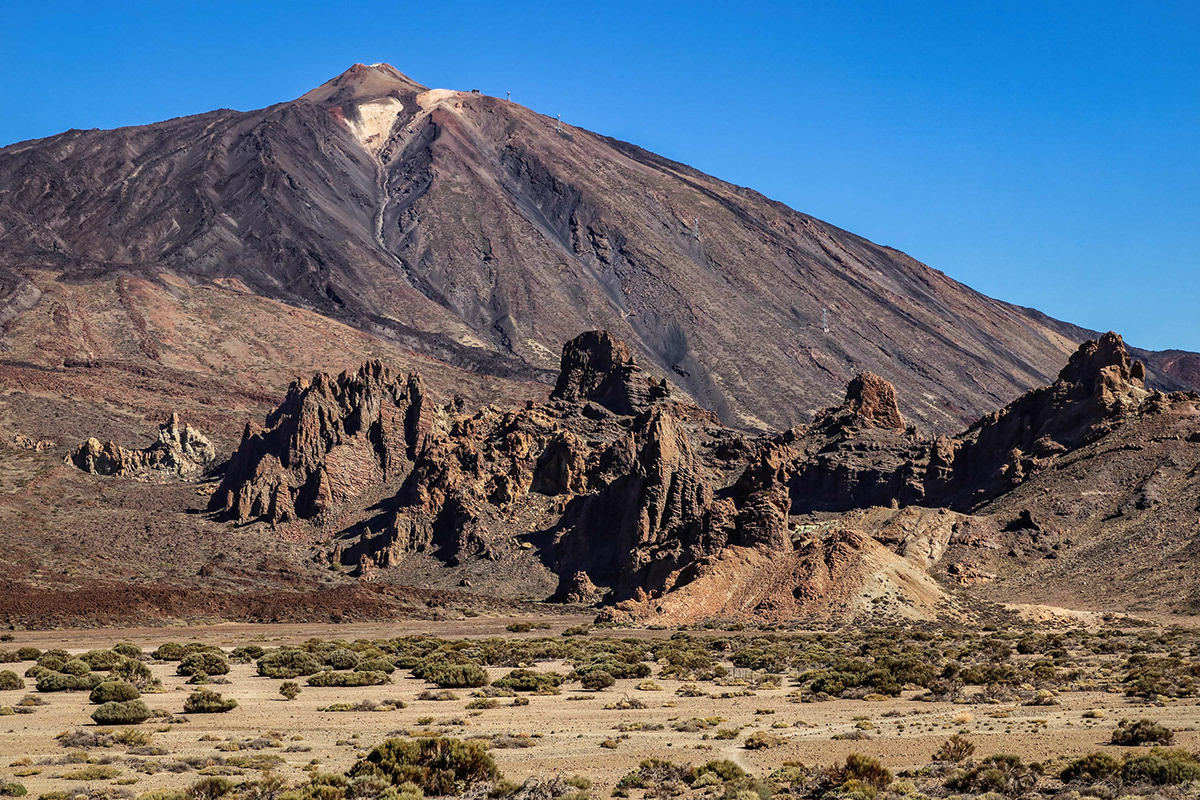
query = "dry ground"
{"x": 569, "y": 728}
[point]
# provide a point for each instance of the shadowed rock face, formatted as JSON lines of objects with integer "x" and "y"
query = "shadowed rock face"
{"x": 468, "y": 229}
{"x": 1100, "y": 387}
{"x": 595, "y": 366}
{"x": 860, "y": 454}
{"x": 181, "y": 451}
{"x": 330, "y": 441}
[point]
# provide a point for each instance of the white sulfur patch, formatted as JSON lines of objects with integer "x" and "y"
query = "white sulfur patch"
{"x": 375, "y": 120}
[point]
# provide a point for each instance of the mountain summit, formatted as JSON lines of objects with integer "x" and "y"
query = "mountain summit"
{"x": 364, "y": 82}
{"x": 469, "y": 230}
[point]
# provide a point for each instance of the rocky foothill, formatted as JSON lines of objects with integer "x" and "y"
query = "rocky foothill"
{"x": 619, "y": 493}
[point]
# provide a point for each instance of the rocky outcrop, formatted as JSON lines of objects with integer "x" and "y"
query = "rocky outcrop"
{"x": 614, "y": 493}
{"x": 331, "y": 441}
{"x": 605, "y": 475}
{"x": 643, "y": 526}
{"x": 861, "y": 454}
{"x": 23, "y": 442}
{"x": 870, "y": 403}
{"x": 1100, "y": 387}
{"x": 857, "y": 454}
{"x": 181, "y": 451}
{"x": 596, "y": 366}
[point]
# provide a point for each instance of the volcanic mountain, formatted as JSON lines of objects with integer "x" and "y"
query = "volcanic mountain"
{"x": 218, "y": 255}
{"x": 545, "y": 364}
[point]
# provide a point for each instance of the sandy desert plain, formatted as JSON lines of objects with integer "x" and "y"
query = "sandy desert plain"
{"x": 755, "y": 698}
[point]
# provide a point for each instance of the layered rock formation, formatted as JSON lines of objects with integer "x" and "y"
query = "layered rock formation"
{"x": 596, "y": 366}
{"x": 1100, "y": 387}
{"x": 332, "y": 440}
{"x": 614, "y": 492}
{"x": 181, "y": 451}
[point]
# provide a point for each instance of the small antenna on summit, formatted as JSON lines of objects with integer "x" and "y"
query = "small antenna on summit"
{"x": 824, "y": 320}
{"x": 509, "y": 96}
{"x": 559, "y": 128}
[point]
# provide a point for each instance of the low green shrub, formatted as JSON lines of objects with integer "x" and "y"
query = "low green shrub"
{"x": 249, "y": 652}
{"x": 332, "y": 678}
{"x": 1000, "y": 773}
{"x": 207, "y": 662}
{"x": 209, "y": 788}
{"x": 438, "y": 766}
{"x": 114, "y": 692}
{"x": 204, "y": 701}
{"x": 130, "y": 712}
{"x": 527, "y": 680}
{"x": 10, "y": 681}
{"x": 28, "y": 653}
{"x": 865, "y": 770}
{"x": 75, "y": 666}
{"x": 377, "y": 664}
{"x": 101, "y": 660}
{"x": 450, "y": 671}
{"x": 93, "y": 772}
{"x": 128, "y": 650}
{"x": 597, "y": 681}
{"x": 13, "y": 790}
{"x": 52, "y": 662}
{"x": 724, "y": 769}
{"x": 288, "y": 663}
{"x": 1161, "y": 767}
{"x": 482, "y": 704}
{"x": 1090, "y": 769}
{"x": 59, "y": 682}
{"x": 342, "y": 659}
{"x": 1132, "y": 734}
{"x": 652, "y": 773}
{"x": 290, "y": 690}
{"x": 173, "y": 651}
{"x": 761, "y": 740}
{"x": 132, "y": 671}
{"x": 955, "y": 750}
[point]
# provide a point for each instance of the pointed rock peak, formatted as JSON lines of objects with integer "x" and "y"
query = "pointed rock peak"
{"x": 872, "y": 400}
{"x": 587, "y": 360}
{"x": 364, "y": 82}
{"x": 1104, "y": 362}
{"x": 598, "y": 366}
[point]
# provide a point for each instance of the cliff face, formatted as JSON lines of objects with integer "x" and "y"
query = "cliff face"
{"x": 331, "y": 440}
{"x": 472, "y": 231}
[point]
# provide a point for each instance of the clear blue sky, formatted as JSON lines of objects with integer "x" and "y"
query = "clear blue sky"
{"x": 1046, "y": 153}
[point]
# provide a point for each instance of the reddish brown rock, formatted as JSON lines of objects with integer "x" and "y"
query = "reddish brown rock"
{"x": 596, "y": 366}
{"x": 1100, "y": 387}
{"x": 331, "y": 440}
